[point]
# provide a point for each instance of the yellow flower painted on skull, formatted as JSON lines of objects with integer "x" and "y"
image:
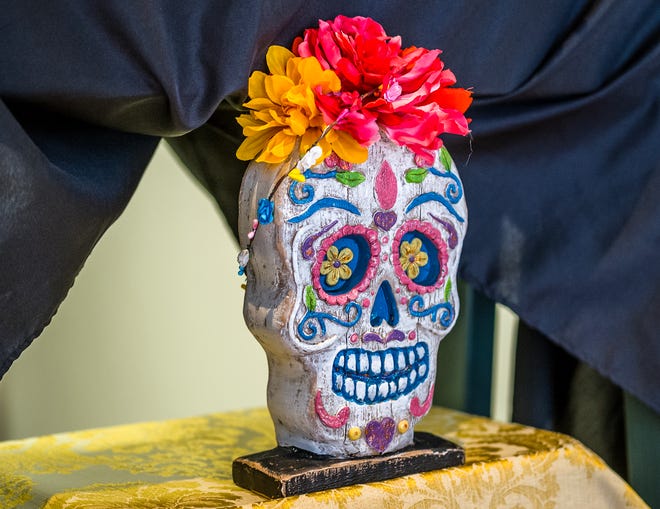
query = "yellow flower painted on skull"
{"x": 283, "y": 110}
{"x": 412, "y": 257}
{"x": 335, "y": 267}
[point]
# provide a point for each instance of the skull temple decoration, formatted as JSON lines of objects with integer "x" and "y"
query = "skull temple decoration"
{"x": 351, "y": 277}
{"x": 349, "y": 291}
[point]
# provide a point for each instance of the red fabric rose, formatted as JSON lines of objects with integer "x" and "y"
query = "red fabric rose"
{"x": 404, "y": 92}
{"x": 357, "y": 49}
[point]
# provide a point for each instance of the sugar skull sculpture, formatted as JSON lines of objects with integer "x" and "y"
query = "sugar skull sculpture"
{"x": 355, "y": 217}
{"x": 350, "y": 290}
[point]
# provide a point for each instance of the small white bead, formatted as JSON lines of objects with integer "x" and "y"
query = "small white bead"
{"x": 243, "y": 258}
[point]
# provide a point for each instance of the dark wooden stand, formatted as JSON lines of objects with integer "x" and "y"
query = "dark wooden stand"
{"x": 287, "y": 471}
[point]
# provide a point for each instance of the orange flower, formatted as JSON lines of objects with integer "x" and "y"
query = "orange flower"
{"x": 283, "y": 109}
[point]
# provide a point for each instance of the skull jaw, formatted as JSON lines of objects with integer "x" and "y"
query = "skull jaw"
{"x": 342, "y": 447}
{"x": 308, "y": 415}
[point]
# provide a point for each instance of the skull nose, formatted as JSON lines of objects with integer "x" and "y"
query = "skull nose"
{"x": 384, "y": 307}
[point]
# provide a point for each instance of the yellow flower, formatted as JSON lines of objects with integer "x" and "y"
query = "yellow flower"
{"x": 334, "y": 266}
{"x": 283, "y": 107}
{"x": 412, "y": 257}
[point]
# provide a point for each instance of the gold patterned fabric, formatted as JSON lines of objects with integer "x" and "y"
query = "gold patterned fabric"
{"x": 186, "y": 463}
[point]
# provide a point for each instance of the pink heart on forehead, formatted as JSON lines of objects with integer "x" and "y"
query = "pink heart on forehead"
{"x": 379, "y": 434}
{"x": 385, "y": 220}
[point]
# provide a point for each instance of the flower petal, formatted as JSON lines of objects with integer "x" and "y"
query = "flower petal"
{"x": 345, "y": 255}
{"x": 313, "y": 74}
{"x": 278, "y": 148}
{"x": 252, "y": 145}
{"x": 332, "y": 254}
{"x": 260, "y": 103}
{"x": 421, "y": 259}
{"x": 413, "y": 270}
{"x": 277, "y": 86}
{"x": 256, "y": 87}
{"x": 276, "y": 59}
{"x": 405, "y": 249}
{"x": 347, "y": 148}
{"x": 332, "y": 277}
{"x": 298, "y": 122}
{"x": 344, "y": 271}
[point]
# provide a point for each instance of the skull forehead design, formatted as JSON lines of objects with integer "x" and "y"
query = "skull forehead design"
{"x": 373, "y": 254}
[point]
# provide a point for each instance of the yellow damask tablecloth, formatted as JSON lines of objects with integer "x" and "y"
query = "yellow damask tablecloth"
{"x": 186, "y": 463}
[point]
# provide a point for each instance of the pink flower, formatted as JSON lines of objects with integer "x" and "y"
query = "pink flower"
{"x": 345, "y": 112}
{"x": 426, "y": 107}
{"x": 404, "y": 92}
{"x": 357, "y": 49}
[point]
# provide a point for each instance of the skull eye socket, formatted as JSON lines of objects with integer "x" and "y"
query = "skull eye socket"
{"x": 345, "y": 264}
{"x": 419, "y": 256}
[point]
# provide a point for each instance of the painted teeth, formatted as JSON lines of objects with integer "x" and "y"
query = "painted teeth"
{"x": 367, "y": 377}
{"x": 349, "y": 387}
{"x": 389, "y": 363}
{"x": 364, "y": 362}
{"x": 383, "y": 390}
{"x": 338, "y": 383}
{"x": 376, "y": 363}
{"x": 360, "y": 390}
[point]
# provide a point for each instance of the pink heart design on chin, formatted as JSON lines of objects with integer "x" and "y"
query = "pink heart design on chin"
{"x": 379, "y": 434}
{"x": 385, "y": 220}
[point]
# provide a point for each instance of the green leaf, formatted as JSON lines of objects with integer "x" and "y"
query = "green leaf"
{"x": 310, "y": 298}
{"x": 350, "y": 178}
{"x": 416, "y": 175}
{"x": 445, "y": 158}
{"x": 447, "y": 290}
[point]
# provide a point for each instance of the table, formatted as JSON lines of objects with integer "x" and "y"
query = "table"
{"x": 186, "y": 463}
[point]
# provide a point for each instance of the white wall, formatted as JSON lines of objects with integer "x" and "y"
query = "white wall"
{"x": 153, "y": 327}
{"x": 504, "y": 361}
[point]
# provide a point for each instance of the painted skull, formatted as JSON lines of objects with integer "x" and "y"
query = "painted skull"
{"x": 350, "y": 290}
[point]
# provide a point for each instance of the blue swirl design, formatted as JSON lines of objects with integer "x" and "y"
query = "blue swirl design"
{"x": 326, "y": 203}
{"x": 416, "y": 308}
{"x": 309, "y": 174}
{"x": 306, "y": 193}
{"x": 301, "y": 193}
{"x": 452, "y": 195}
{"x": 306, "y": 324}
{"x": 426, "y": 197}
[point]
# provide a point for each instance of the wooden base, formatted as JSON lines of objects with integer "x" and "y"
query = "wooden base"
{"x": 287, "y": 471}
